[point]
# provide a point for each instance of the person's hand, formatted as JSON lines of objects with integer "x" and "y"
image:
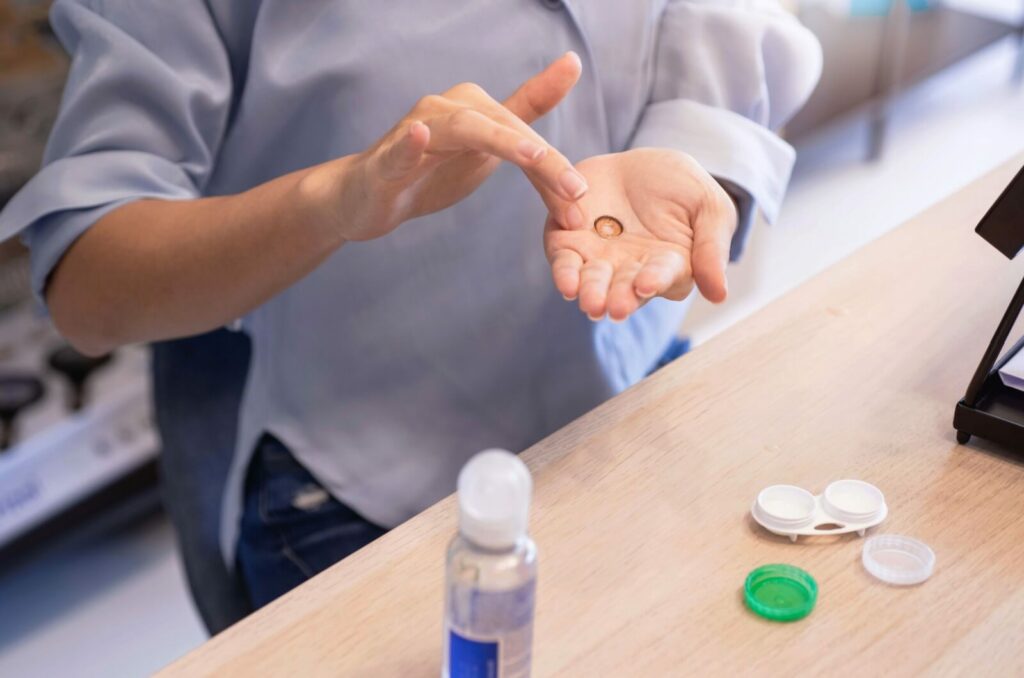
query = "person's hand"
{"x": 677, "y": 224}
{"x": 442, "y": 150}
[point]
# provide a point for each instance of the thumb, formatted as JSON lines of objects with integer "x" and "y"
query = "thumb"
{"x": 538, "y": 95}
{"x": 712, "y": 240}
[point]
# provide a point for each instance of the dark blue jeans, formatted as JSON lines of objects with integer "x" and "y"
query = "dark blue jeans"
{"x": 292, "y": 528}
{"x": 197, "y": 387}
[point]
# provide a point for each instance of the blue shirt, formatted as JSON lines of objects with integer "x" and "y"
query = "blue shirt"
{"x": 384, "y": 385}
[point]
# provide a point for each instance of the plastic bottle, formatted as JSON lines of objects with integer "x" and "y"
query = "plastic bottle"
{"x": 492, "y": 572}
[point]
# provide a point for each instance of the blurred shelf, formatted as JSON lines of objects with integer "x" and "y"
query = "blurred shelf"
{"x": 943, "y": 36}
{"x": 870, "y": 59}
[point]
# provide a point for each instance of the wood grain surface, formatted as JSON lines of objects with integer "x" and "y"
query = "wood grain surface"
{"x": 641, "y": 506}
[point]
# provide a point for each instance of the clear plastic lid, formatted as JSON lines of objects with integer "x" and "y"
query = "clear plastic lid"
{"x": 494, "y": 499}
{"x": 898, "y": 560}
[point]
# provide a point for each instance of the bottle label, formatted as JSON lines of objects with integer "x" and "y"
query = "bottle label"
{"x": 469, "y": 658}
{"x": 490, "y": 633}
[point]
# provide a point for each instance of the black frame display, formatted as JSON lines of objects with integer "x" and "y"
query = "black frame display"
{"x": 990, "y": 409}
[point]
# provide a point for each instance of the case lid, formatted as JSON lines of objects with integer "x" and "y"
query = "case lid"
{"x": 898, "y": 560}
{"x": 780, "y": 592}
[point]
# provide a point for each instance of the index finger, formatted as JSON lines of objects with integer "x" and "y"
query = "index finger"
{"x": 553, "y": 175}
{"x": 470, "y": 128}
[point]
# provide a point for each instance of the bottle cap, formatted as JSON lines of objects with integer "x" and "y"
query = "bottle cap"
{"x": 897, "y": 560}
{"x": 494, "y": 499}
{"x": 780, "y": 592}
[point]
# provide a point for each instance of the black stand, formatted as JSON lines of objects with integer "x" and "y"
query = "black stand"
{"x": 992, "y": 410}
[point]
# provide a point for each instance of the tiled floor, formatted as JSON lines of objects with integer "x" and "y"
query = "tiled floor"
{"x": 117, "y": 606}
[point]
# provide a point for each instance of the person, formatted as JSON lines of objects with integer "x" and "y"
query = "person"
{"x": 380, "y": 195}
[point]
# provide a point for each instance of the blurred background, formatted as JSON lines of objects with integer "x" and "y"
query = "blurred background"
{"x": 918, "y": 97}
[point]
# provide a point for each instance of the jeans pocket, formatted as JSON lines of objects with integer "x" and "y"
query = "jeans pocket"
{"x": 292, "y": 527}
{"x": 287, "y": 492}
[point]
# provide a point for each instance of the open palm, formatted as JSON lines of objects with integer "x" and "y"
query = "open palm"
{"x": 676, "y": 228}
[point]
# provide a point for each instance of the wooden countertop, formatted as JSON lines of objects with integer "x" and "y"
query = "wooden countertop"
{"x": 641, "y": 506}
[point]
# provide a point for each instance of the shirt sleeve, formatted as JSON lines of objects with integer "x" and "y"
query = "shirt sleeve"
{"x": 144, "y": 110}
{"x": 726, "y": 73}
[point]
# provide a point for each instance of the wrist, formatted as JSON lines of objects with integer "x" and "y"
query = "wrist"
{"x": 322, "y": 197}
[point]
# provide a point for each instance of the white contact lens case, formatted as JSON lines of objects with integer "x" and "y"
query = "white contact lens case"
{"x": 845, "y": 506}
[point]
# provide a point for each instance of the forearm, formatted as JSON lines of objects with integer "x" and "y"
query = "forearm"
{"x": 153, "y": 270}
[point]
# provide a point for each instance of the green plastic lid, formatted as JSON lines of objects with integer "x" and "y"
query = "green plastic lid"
{"x": 780, "y": 592}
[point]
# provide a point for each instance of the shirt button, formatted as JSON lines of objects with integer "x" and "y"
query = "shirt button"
{"x": 552, "y": 4}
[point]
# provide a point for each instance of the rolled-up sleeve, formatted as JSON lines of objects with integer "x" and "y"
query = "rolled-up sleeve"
{"x": 727, "y": 73}
{"x": 143, "y": 114}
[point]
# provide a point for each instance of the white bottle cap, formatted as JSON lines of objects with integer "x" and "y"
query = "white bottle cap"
{"x": 494, "y": 499}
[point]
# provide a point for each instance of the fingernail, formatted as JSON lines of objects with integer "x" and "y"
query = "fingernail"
{"x": 645, "y": 294}
{"x": 574, "y": 218}
{"x": 568, "y": 298}
{"x": 416, "y": 126}
{"x": 573, "y": 184}
{"x": 530, "y": 150}
{"x": 595, "y": 318}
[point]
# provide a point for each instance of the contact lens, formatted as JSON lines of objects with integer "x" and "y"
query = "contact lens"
{"x": 608, "y": 227}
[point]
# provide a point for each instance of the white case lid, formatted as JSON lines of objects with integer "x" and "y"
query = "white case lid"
{"x": 898, "y": 560}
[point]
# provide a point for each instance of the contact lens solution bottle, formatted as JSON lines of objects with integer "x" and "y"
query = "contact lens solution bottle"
{"x": 491, "y": 572}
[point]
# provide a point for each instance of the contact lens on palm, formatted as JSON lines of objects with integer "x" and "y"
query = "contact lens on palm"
{"x": 608, "y": 227}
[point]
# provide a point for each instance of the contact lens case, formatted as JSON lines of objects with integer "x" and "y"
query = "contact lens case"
{"x": 845, "y": 506}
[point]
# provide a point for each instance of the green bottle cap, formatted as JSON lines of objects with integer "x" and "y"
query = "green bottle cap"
{"x": 780, "y": 592}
